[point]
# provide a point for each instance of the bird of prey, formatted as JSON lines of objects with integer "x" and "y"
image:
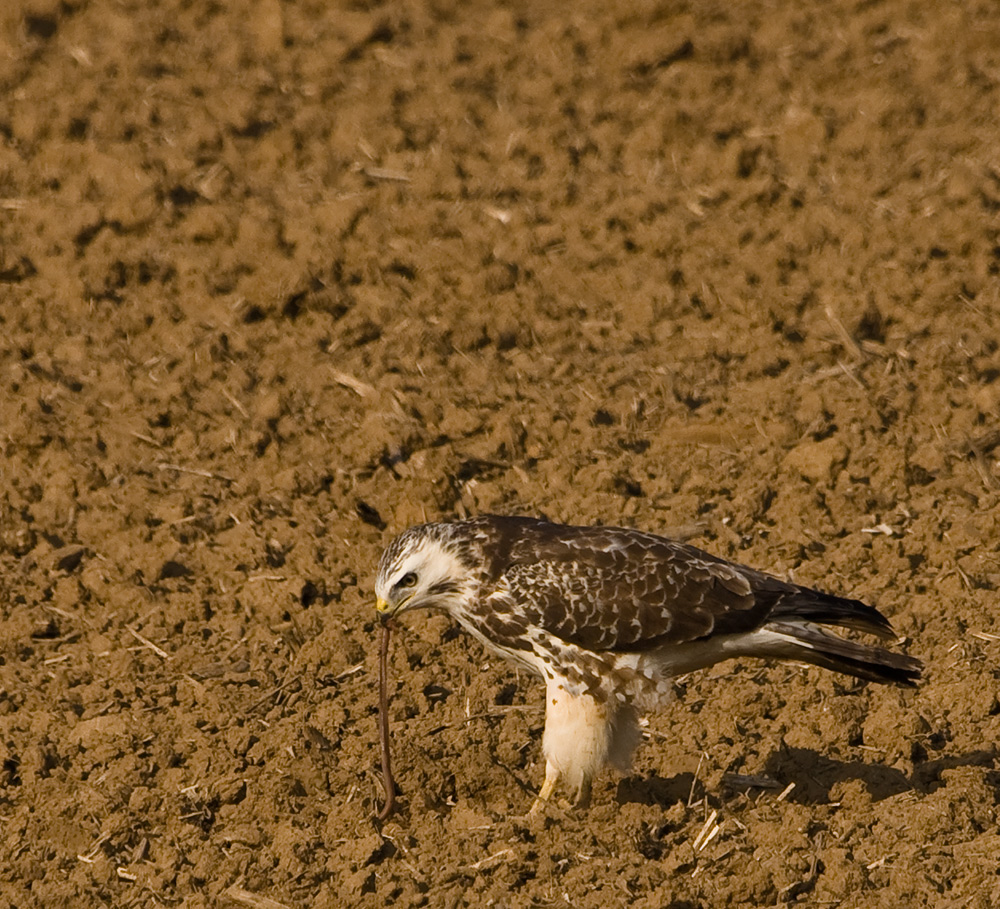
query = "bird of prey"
{"x": 608, "y": 616}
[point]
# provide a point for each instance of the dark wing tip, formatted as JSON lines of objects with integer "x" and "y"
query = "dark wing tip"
{"x": 806, "y": 605}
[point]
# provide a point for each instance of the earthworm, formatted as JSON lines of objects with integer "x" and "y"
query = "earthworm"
{"x": 383, "y": 724}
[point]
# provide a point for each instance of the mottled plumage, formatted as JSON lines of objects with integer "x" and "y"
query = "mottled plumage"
{"x": 607, "y": 616}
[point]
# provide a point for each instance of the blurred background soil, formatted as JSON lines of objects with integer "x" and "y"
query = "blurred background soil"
{"x": 280, "y": 277}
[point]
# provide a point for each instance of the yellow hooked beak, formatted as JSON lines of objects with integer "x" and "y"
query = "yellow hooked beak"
{"x": 387, "y": 610}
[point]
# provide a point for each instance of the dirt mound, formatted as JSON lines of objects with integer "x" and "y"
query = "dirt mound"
{"x": 279, "y": 278}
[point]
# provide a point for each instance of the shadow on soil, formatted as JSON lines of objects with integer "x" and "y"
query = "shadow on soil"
{"x": 815, "y": 775}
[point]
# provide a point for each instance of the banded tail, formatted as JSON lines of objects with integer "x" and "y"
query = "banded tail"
{"x": 798, "y": 622}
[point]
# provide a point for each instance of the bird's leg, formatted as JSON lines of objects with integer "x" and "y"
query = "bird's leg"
{"x": 582, "y": 799}
{"x": 548, "y": 787}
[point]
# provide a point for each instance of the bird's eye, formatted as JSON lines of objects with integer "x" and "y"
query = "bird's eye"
{"x": 407, "y": 580}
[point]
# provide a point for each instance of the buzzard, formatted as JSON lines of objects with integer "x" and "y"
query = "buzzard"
{"x": 608, "y": 616}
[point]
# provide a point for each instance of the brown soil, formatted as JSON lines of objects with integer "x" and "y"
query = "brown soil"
{"x": 278, "y": 279}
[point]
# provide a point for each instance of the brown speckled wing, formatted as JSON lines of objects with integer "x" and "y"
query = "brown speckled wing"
{"x": 613, "y": 589}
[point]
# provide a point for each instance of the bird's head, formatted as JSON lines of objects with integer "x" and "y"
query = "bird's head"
{"x": 423, "y": 568}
